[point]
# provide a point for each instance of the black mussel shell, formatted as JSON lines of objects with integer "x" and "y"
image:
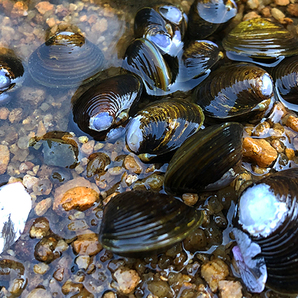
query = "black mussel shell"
{"x": 261, "y": 41}
{"x": 162, "y": 127}
{"x": 144, "y": 59}
{"x": 206, "y": 160}
{"x": 142, "y": 222}
{"x": 235, "y": 92}
{"x": 268, "y": 213}
{"x": 106, "y": 105}
{"x": 66, "y": 60}
{"x": 197, "y": 58}
{"x": 163, "y": 26}
{"x": 11, "y": 73}
{"x": 285, "y": 76}
{"x": 206, "y": 17}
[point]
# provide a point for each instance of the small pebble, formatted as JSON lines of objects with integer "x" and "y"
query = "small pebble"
{"x": 44, "y": 6}
{"x": 15, "y": 115}
{"x": 214, "y": 271}
{"x": 190, "y": 198}
{"x": 132, "y": 164}
{"x": 87, "y": 244}
{"x": 43, "y": 206}
{"x": 127, "y": 279}
{"x": 4, "y": 112}
{"x": 80, "y": 198}
{"x": 4, "y": 158}
{"x": 39, "y": 292}
{"x": 277, "y": 14}
{"x": 282, "y": 2}
{"x": 230, "y": 289}
{"x": 41, "y": 268}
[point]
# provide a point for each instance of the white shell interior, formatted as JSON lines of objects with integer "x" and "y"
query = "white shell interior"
{"x": 260, "y": 212}
{"x": 134, "y": 134}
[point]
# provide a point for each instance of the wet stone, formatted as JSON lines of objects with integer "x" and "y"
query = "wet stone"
{"x": 230, "y": 289}
{"x": 213, "y": 272}
{"x": 132, "y": 165}
{"x": 17, "y": 286}
{"x": 43, "y": 206}
{"x": 39, "y": 292}
{"x": 4, "y": 112}
{"x": 72, "y": 287}
{"x": 41, "y": 268}
{"x": 59, "y": 154}
{"x": 61, "y": 190}
{"x": 87, "y": 244}
{"x": 259, "y": 151}
{"x": 45, "y": 250}
{"x": 80, "y": 198}
{"x": 9, "y": 267}
{"x": 4, "y": 158}
{"x": 127, "y": 279}
{"x": 40, "y": 228}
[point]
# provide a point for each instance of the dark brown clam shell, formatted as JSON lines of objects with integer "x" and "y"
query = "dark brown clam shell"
{"x": 261, "y": 41}
{"x": 197, "y": 58}
{"x": 67, "y": 59}
{"x": 11, "y": 73}
{"x": 285, "y": 76}
{"x": 138, "y": 222}
{"x": 144, "y": 59}
{"x": 216, "y": 147}
{"x": 235, "y": 92}
{"x": 268, "y": 212}
{"x": 162, "y": 127}
{"x": 164, "y": 26}
{"x": 106, "y": 105}
{"x": 206, "y": 17}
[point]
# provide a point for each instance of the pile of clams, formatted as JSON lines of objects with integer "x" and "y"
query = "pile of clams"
{"x": 199, "y": 133}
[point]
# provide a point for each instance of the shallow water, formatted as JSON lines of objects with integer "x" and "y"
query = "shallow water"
{"x": 34, "y": 110}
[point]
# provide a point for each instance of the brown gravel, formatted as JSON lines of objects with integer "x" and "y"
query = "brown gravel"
{"x": 259, "y": 151}
{"x": 4, "y": 158}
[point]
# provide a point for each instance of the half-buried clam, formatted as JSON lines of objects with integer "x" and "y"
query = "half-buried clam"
{"x": 207, "y": 16}
{"x": 11, "y": 73}
{"x": 208, "y": 160}
{"x": 138, "y": 222}
{"x": 285, "y": 75}
{"x": 260, "y": 41}
{"x": 267, "y": 233}
{"x": 162, "y": 127}
{"x": 106, "y": 105}
{"x": 65, "y": 60}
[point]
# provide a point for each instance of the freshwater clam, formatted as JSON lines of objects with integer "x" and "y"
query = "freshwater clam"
{"x": 285, "y": 76}
{"x": 144, "y": 59}
{"x": 162, "y": 127}
{"x": 267, "y": 233}
{"x": 164, "y": 27}
{"x": 238, "y": 91}
{"x": 207, "y": 16}
{"x": 261, "y": 41}
{"x": 65, "y": 60}
{"x": 15, "y": 205}
{"x": 106, "y": 105}
{"x": 197, "y": 58}
{"x": 138, "y": 222}
{"x": 11, "y": 73}
{"x": 216, "y": 147}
